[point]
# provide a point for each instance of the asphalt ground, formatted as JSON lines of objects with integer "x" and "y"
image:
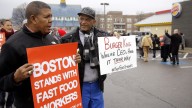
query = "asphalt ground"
{"x": 152, "y": 84}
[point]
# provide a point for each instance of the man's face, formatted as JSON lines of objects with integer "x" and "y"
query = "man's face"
{"x": 44, "y": 21}
{"x": 86, "y": 23}
{"x": 176, "y": 31}
{"x": 8, "y": 26}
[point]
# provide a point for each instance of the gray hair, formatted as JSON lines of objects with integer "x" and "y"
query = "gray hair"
{"x": 176, "y": 31}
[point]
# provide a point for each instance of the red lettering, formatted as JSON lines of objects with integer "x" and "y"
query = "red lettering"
{"x": 106, "y": 40}
{"x": 112, "y": 45}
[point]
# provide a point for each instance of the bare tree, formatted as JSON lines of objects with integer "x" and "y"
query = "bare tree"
{"x": 18, "y": 15}
{"x": 97, "y": 18}
{"x": 140, "y": 16}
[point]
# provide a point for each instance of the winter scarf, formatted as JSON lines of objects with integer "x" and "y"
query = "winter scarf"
{"x": 90, "y": 54}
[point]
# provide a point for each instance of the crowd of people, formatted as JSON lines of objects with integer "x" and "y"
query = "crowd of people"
{"x": 168, "y": 44}
{"x": 36, "y": 31}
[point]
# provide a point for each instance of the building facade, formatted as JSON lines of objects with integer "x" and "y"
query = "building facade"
{"x": 65, "y": 16}
{"x": 183, "y": 21}
{"x": 156, "y": 24}
{"x": 116, "y": 21}
{"x": 179, "y": 17}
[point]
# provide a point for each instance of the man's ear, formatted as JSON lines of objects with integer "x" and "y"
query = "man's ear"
{"x": 33, "y": 19}
{"x": 94, "y": 22}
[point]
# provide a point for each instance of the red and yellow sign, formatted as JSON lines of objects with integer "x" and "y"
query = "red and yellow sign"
{"x": 2, "y": 39}
{"x": 176, "y": 9}
{"x": 55, "y": 79}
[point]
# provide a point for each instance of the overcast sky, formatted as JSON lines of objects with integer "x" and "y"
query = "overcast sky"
{"x": 127, "y": 6}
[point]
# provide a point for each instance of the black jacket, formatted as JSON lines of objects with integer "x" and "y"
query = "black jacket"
{"x": 13, "y": 56}
{"x": 74, "y": 37}
{"x": 175, "y": 42}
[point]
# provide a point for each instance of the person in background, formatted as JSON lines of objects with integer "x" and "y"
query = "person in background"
{"x": 166, "y": 48}
{"x": 57, "y": 33}
{"x": 15, "y": 70}
{"x": 124, "y": 34}
{"x": 146, "y": 44}
{"x": 156, "y": 43}
{"x": 54, "y": 33}
{"x": 8, "y": 30}
{"x": 92, "y": 83}
{"x": 111, "y": 33}
{"x": 175, "y": 43}
{"x": 61, "y": 33}
{"x": 116, "y": 34}
{"x": 140, "y": 46}
{"x": 183, "y": 41}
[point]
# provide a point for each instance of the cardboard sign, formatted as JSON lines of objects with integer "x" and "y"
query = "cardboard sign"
{"x": 55, "y": 80}
{"x": 2, "y": 39}
{"x": 117, "y": 54}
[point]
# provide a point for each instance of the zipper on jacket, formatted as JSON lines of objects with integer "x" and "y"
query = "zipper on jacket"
{"x": 43, "y": 40}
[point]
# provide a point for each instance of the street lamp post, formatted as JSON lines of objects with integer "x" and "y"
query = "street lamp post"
{"x": 104, "y": 4}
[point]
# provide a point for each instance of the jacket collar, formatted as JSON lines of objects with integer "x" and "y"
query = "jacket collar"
{"x": 35, "y": 34}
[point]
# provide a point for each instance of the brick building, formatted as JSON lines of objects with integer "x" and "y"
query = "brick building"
{"x": 116, "y": 21}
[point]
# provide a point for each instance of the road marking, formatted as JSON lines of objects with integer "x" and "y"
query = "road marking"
{"x": 185, "y": 67}
{"x": 158, "y": 55}
{"x": 185, "y": 56}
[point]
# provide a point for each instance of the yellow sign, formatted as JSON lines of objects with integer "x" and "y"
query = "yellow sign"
{"x": 62, "y": 1}
{"x": 176, "y": 9}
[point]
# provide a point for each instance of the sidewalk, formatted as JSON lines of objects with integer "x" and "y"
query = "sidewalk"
{"x": 186, "y": 50}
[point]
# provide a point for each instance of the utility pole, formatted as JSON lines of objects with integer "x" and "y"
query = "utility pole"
{"x": 105, "y": 22}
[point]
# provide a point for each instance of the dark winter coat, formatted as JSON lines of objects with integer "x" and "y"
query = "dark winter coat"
{"x": 175, "y": 42}
{"x": 74, "y": 37}
{"x": 13, "y": 56}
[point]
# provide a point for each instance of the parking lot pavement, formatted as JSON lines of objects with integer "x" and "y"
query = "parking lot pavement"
{"x": 182, "y": 54}
{"x": 152, "y": 84}
{"x": 186, "y": 50}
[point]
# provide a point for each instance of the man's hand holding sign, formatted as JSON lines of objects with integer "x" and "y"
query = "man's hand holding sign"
{"x": 26, "y": 70}
{"x": 23, "y": 72}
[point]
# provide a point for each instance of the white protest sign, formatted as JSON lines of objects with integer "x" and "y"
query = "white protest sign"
{"x": 117, "y": 54}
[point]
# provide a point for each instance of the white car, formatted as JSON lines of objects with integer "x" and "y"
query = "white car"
{"x": 138, "y": 35}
